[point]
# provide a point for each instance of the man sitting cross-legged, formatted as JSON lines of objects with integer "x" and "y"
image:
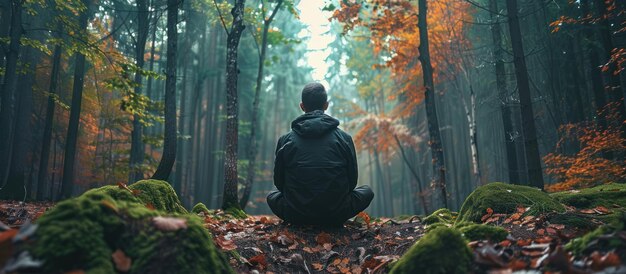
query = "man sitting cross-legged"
{"x": 315, "y": 169}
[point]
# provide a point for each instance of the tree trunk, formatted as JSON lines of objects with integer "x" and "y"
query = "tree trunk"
{"x": 5, "y": 24}
{"x": 533, "y": 160}
{"x": 470, "y": 115}
{"x": 169, "y": 141}
{"x": 67, "y": 184}
{"x": 137, "y": 148}
{"x": 232, "y": 107}
{"x": 47, "y": 131}
{"x": 595, "y": 70}
{"x": 436, "y": 146}
{"x": 505, "y": 110}
{"x": 252, "y": 148}
{"x": 7, "y": 110}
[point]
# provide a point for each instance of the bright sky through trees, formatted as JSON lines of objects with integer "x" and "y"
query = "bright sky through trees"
{"x": 318, "y": 25}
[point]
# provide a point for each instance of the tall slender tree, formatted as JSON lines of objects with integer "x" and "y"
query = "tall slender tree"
{"x": 137, "y": 148}
{"x": 533, "y": 160}
{"x": 7, "y": 108}
{"x": 75, "y": 109}
{"x": 505, "y": 110}
{"x": 42, "y": 176}
{"x": 252, "y": 148}
{"x": 169, "y": 143}
{"x": 231, "y": 179}
{"x": 436, "y": 146}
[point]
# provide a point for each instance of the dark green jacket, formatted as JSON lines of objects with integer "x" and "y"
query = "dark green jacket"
{"x": 315, "y": 166}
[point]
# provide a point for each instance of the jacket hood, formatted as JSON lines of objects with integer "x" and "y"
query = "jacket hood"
{"x": 314, "y": 124}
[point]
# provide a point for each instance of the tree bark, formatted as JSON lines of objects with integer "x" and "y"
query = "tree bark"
{"x": 137, "y": 148}
{"x": 7, "y": 110}
{"x": 169, "y": 141}
{"x": 47, "y": 131}
{"x": 71, "y": 140}
{"x": 505, "y": 110}
{"x": 436, "y": 146}
{"x": 533, "y": 159}
{"x": 252, "y": 149}
{"x": 232, "y": 107}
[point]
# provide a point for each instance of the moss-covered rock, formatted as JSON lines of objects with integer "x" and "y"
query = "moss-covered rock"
{"x": 474, "y": 232}
{"x": 573, "y": 219}
{"x": 200, "y": 207}
{"x": 602, "y": 195}
{"x": 504, "y": 198}
{"x": 159, "y": 194}
{"x": 442, "y": 250}
{"x": 84, "y": 232}
{"x": 236, "y": 212}
{"x": 442, "y": 215}
{"x": 598, "y": 239}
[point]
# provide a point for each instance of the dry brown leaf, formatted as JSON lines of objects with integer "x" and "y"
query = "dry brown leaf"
{"x": 317, "y": 266}
{"x": 602, "y": 210}
{"x": 259, "y": 260}
{"x": 599, "y": 262}
{"x": 169, "y": 223}
{"x": 365, "y": 217}
{"x": 121, "y": 261}
{"x": 323, "y": 238}
{"x": 225, "y": 244}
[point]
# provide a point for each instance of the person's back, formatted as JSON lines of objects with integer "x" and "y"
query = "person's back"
{"x": 315, "y": 168}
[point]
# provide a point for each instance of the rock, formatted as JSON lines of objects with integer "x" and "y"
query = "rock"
{"x": 442, "y": 250}
{"x": 442, "y": 215}
{"x": 200, "y": 207}
{"x": 474, "y": 232}
{"x": 603, "y": 195}
{"x": 83, "y": 233}
{"x": 505, "y": 198}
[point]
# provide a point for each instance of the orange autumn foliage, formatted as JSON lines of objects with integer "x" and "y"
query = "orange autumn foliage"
{"x": 597, "y": 162}
{"x": 394, "y": 33}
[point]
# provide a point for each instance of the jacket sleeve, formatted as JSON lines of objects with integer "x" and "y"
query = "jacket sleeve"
{"x": 279, "y": 166}
{"x": 353, "y": 167}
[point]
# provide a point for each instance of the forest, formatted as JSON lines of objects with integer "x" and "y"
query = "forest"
{"x": 491, "y": 132}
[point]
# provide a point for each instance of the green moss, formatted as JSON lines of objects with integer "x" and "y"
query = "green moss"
{"x": 474, "y": 232}
{"x": 159, "y": 194}
{"x": 442, "y": 215}
{"x": 236, "y": 212}
{"x": 200, "y": 207}
{"x": 504, "y": 198}
{"x": 603, "y": 195}
{"x": 442, "y": 250}
{"x": 83, "y": 232}
{"x": 114, "y": 192}
{"x": 572, "y": 219}
{"x": 584, "y": 244}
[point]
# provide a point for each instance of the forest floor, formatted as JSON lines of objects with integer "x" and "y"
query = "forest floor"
{"x": 263, "y": 244}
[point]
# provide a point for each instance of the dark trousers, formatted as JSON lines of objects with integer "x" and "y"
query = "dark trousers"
{"x": 358, "y": 200}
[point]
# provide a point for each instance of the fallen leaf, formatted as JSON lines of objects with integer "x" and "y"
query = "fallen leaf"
{"x": 370, "y": 263}
{"x": 317, "y": 266}
{"x": 225, "y": 244}
{"x": 365, "y": 217}
{"x": 259, "y": 260}
{"x": 124, "y": 186}
{"x": 121, "y": 261}
{"x": 150, "y": 206}
{"x": 599, "y": 262}
{"x": 169, "y": 223}
{"x": 323, "y": 238}
{"x": 602, "y": 210}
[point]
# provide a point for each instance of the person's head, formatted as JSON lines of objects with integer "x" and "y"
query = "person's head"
{"x": 314, "y": 97}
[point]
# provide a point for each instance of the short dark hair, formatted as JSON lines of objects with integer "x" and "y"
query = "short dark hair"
{"x": 314, "y": 96}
